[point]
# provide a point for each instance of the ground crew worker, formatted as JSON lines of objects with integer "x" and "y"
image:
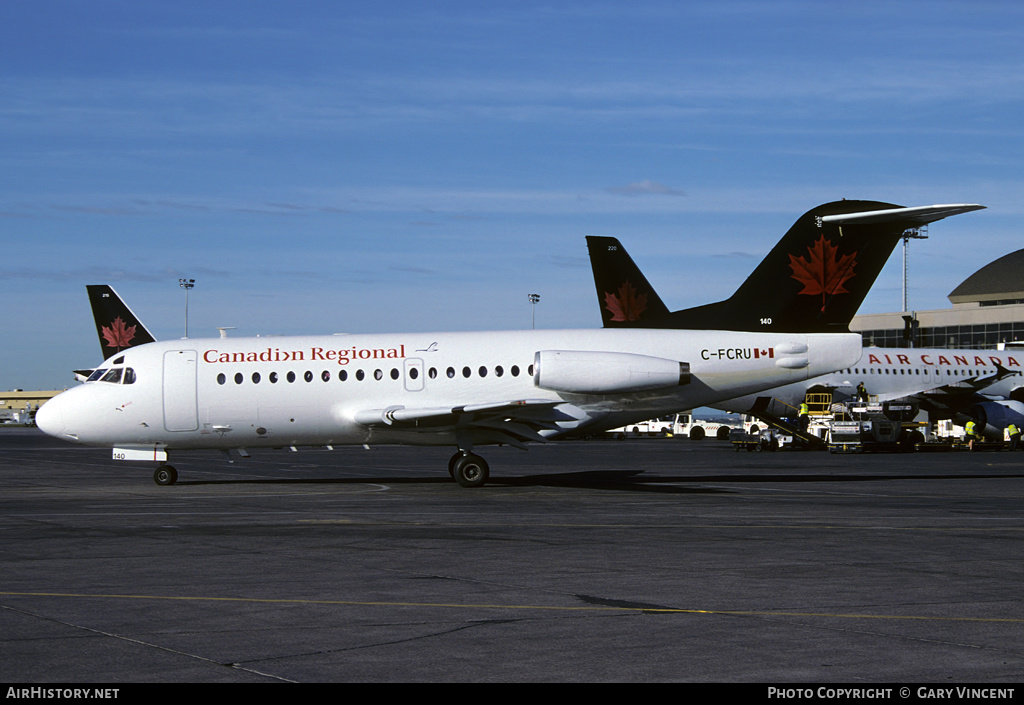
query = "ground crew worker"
{"x": 862, "y": 392}
{"x": 1014, "y": 436}
{"x": 805, "y": 419}
{"x": 971, "y": 434}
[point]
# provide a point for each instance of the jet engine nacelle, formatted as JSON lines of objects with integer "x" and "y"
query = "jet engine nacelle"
{"x": 591, "y": 372}
{"x": 995, "y": 416}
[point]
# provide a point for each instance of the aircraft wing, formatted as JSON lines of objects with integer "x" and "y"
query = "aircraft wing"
{"x": 512, "y": 422}
{"x": 961, "y": 394}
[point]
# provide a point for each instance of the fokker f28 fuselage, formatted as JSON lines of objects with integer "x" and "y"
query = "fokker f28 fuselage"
{"x": 462, "y": 389}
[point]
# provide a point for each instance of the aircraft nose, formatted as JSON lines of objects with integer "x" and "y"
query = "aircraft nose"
{"x": 50, "y": 417}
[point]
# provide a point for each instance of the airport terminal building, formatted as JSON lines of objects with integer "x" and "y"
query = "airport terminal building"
{"x": 987, "y": 313}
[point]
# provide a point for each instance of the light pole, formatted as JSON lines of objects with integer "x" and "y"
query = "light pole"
{"x": 917, "y": 234}
{"x": 186, "y": 284}
{"x": 534, "y": 298}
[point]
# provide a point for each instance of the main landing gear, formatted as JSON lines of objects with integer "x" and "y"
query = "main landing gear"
{"x": 468, "y": 469}
{"x": 165, "y": 475}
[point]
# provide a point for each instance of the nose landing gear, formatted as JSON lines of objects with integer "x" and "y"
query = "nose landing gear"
{"x": 165, "y": 475}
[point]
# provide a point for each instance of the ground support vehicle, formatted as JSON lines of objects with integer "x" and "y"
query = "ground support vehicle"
{"x": 875, "y": 427}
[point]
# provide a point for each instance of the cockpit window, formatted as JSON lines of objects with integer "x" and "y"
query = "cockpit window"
{"x": 113, "y": 376}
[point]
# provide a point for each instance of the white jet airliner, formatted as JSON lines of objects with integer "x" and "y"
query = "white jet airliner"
{"x": 471, "y": 389}
{"x": 986, "y": 385}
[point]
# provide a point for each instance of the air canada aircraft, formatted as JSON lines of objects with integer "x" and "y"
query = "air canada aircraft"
{"x": 957, "y": 384}
{"x": 471, "y": 389}
{"x": 986, "y": 385}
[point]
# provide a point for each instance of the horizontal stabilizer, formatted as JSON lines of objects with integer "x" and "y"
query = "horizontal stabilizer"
{"x": 919, "y": 215}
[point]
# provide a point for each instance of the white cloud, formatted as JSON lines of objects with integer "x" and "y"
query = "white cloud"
{"x": 646, "y": 187}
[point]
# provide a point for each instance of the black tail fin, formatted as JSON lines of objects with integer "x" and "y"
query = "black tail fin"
{"x": 116, "y": 325}
{"x": 627, "y": 298}
{"x": 813, "y": 280}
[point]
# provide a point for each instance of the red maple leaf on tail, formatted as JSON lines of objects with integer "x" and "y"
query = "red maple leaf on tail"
{"x": 627, "y": 304}
{"x": 118, "y": 335}
{"x": 822, "y": 272}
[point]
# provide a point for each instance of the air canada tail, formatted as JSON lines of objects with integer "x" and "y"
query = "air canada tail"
{"x": 116, "y": 325}
{"x": 813, "y": 280}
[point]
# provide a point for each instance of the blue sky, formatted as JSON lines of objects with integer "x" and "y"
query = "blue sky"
{"x": 324, "y": 167}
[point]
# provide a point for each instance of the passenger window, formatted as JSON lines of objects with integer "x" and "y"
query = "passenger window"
{"x": 291, "y": 376}
{"x": 515, "y": 370}
{"x": 308, "y": 376}
{"x": 325, "y": 376}
{"x": 221, "y": 379}
{"x": 342, "y": 376}
{"x": 360, "y": 375}
{"x": 378, "y": 375}
{"x": 395, "y": 373}
{"x": 273, "y": 378}
{"x": 238, "y": 378}
{"x": 255, "y": 377}
{"x": 450, "y": 372}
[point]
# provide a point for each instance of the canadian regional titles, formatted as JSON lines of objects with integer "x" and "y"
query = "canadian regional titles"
{"x": 342, "y": 356}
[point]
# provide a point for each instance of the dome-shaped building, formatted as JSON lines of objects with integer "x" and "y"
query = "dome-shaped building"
{"x": 988, "y": 312}
{"x": 999, "y": 283}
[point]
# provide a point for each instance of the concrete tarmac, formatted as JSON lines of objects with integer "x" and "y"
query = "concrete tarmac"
{"x": 600, "y": 561}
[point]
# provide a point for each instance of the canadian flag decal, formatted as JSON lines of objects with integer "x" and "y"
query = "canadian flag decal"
{"x": 759, "y": 353}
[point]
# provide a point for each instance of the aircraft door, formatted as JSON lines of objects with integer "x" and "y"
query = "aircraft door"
{"x": 180, "y": 412}
{"x": 413, "y": 374}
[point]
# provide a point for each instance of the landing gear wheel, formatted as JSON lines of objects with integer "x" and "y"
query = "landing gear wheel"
{"x": 165, "y": 475}
{"x": 470, "y": 470}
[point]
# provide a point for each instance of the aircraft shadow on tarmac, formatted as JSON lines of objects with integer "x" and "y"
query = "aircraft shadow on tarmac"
{"x": 619, "y": 480}
{"x": 615, "y": 480}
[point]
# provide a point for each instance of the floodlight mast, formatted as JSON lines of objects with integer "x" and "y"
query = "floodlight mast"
{"x": 917, "y": 234}
{"x": 534, "y": 298}
{"x": 187, "y": 285}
